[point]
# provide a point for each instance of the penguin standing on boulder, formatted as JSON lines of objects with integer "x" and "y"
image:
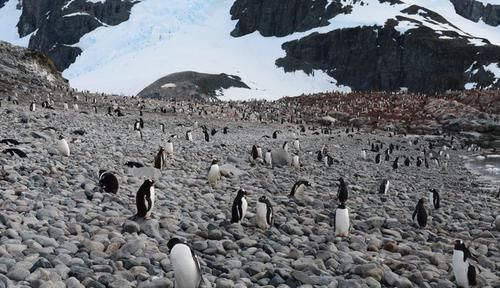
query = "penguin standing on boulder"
{"x": 465, "y": 273}
{"x": 213, "y": 173}
{"x": 384, "y": 187}
{"x": 264, "y": 215}
{"x": 342, "y": 193}
{"x": 145, "y": 199}
{"x": 240, "y": 206}
{"x": 434, "y": 198}
{"x": 108, "y": 181}
{"x": 187, "y": 269}
{"x": 298, "y": 188}
{"x": 189, "y": 136}
{"x": 62, "y": 146}
{"x": 341, "y": 226}
{"x": 421, "y": 214}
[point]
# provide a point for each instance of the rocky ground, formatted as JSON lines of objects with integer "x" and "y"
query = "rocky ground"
{"x": 59, "y": 231}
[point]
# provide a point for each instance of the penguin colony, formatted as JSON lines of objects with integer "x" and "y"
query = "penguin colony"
{"x": 185, "y": 262}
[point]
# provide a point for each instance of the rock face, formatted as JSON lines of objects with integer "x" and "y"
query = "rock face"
{"x": 60, "y": 24}
{"x": 28, "y": 71}
{"x": 476, "y": 10}
{"x": 381, "y": 58}
{"x": 191, "y": 85}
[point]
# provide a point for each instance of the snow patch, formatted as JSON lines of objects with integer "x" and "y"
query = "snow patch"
{"x": 169, "y": 85}
{"x": 9, "y": 16}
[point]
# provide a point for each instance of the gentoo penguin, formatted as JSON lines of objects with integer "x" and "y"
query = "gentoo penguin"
{"x": 328, "y": 160}
{"x": 137, "y": 125}
{"x": 434, "y": 198}
{"x": 75, "y": 107}
{"x": 419, "y": 161}
{"x": 298, "y": 188}
{"x": 187, "y": 269}
{"x": 426, "y": 162}
{"x": 264, "y": 216}
{"x": 189, "y": 135}
{"x": 295, "y": 161}
{"x": 275, "y": 134}
{"x": 387, "y": 156}
{"x": 159, "y": 161}
{"x": 169, "y": 148}
{"x": 407, "y": 161}
{"x": 108, "y": 181}
{"x": 341, "y": 227}
{"x": 62, "y": 146}
{"x": 268, "y": 158}
{"x": 141, "y": 122}
{"x": 32, "y": 107}
{"x": 213, "y": 132}
{"x": 207, "y": 136}
{"x": 363, "y": 154}
{"x": 420, "y": 213}
{"x": 342, "y": 193}
{"x": 95, "y": 109}
{"x": 395, "y": 163}
{"x": 224, "y": 131}
{"x": 285, "y": 146}
{"x": 65, "y": 106}
{"x": 213, "y": 173}
{"x": 319, "y": 155}
{"x": 377, "y": 158}
{"x": 162, "y": 127}
{"x": 132, "y": 164}
{"x": 240, "y": 206}
{"x": 465, "y": 273}
{"x": 296, "y": 144}
{"x": 145, "y": 199}
{"x": 255, "y": 152}
{"x": 384, "y": 187}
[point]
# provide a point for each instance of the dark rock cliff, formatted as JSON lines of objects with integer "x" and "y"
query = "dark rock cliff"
{"x": 476, "y": 10}
{"x": 59, "y": 24}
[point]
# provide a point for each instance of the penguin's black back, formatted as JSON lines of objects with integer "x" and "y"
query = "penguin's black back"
{"x": 421, "y": 214}
{"x": 342, "y": 193}
{"x": 237, "y": 210}
{"x": 108, "y": 181}
{"x": 297, "y": 185}
{"x": 143, "y": 199}
{"x": 471, "y": 275}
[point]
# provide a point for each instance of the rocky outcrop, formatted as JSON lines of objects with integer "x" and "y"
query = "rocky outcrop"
{"x": 476, "y": 10}
{"x": 27, "y": 72}
{"x": 2, "y": 3}
{"x": 281, "y": 18}
{"x": 381, "y": 58}
{"x": 61, "y": 24}
{"x": 191, "y": 85}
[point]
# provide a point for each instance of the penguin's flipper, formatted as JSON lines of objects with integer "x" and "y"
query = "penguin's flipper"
{"x": 471, "y": 275}
{"x": 413, "y": 216}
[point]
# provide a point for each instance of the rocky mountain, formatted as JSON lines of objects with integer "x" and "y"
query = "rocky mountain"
{"x": 26, "y": 72}
{"x": 276, "y": 47}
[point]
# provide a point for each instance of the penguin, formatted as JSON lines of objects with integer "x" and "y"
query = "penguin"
{"x": 395, "y": 163}
{"x": 434, "y": 198}
{"x": 207, "y": 136}
{"x": 95, "y": 109}
{"x": 296, "y": 144}
{"x": 75, "y": 107}
{"x": 137, "y": 125}
{"x": 298, "y": 188}
{"x": 421, "y": 214}
{"x": 62, "y": 146}
{"x": 342, "y": 193}
{"x": 213, "y": 173}
{"x": 341, "y": 226}
{"x": 32, "y": 107}
{"x": 264, "y": 216}
{"x": 268, "y": 158}
{"x": 169, "y": 148}
{"x": 141, "y": 122}
{"x": 407, "y": 161}
{"x": 295, "y": 161}
{"x": 419, "y": 161}
{"x": 15, "y": 151}
{"x": 377, "y": 158}
{"x": 187, "y": 268}
{"x": 426, "y": 162}
{"x": 387, "y": 156}
{"x": 159, "y": 161}
{"x": 363, "y": 154}
{"x": 240, "y": 206}
{"x": 328, "y": 160}
{"x": 319, "y": 156}
{"x": 465, "y": 273}
{"x": 65, "y": 106}
{"x": 275, "y": 134}
{"x": 108, "y": 181}
{"x": 145, "y": 199}
{"x": 162, "y": 126}
{"x": 132, "y": 164}
{"x": 384, "y": 187}
{"x": 189, "y": 136}
{"x": 213, "y": 132}
{"x": 255, "y": 152}
{"x": 224, "y": 130}
{"x": 285, "y": 146}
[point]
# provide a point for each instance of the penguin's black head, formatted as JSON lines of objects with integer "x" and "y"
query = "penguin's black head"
{"x": 149, "y": 182}
{"x": 61, "y": 137}
{"x": 263, "y": 199}
{"x": 342, "y": 205}
{"x": 172, "y": 242}
{"x": 341, "y": 179}
{"x": 421, "y": 202}
{"x": 459, "y": 245}
{"x": 285, "y": 144}
{"x": 215, "y": 161}
{"x": 242, "y": 192}
{"x": 101, "y": 172}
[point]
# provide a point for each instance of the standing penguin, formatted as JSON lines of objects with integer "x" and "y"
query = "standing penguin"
{"x": 213, "y": 173}
{"x": 169, "y": 148}
{"x": 419, "y": 161}
{"x": 295, "y": 161}
{"x": 465, "y": 273}
{"x": 145, "y": 199}
{"x": 264, "y": 216}
{"x": 268, "y": 158}
{"x": 434, "y": 198}
{"x": 207, "y": 136}
{"x": 189, "y": 136}
{"x": 296, "y": 144}
{"x": 240, "y": 206}
{"x": 384, "y": 187}
{"x": 32, "y": 107}
{"x": 341, "y": 226}
{"x": 298, "y": 188}
{"x": 421, "y": 214}
{"x": 187, "y": 269}
{"x": 342, "y": 193}
{"x": 407, "y": 161}
{"x": 395, "y": 163}
{"x": 213, "y": 132}
{"x": 285, "y": 146}
{"x": 363, "y": 154}
{"x": 108, "y": 181}
{"x": 255, "y": 152}
{"x": 162, "y": 127}
{"x": 159, "y": 161}
{"x": 224, "y": 130}
{"x": 275, "y": 134}
{"x": 62, "y": 146}
{"x": 377, "y": 158}
{"x": 137, "y": 125}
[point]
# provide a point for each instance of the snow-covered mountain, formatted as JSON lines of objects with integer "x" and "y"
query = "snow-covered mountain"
{"x": 276, "y": 47}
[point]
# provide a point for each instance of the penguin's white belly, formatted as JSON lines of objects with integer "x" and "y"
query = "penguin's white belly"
{"x": 65, "y": 106}
{"x": 299, "y": 192}
{"x": 62, "y": 147}
{"x": 169, "y": 148}
{"x": 190, "y": 137}
{"x": 386, "y": 189}
{"x": 363, "y": 155}
{"x": 259, "y": 152}
{"x": 460, "y": 269}
{"x": 296, "y": 145}
{"x": 152, "y": 194}
{"x": 295, "y": 161}
{"x": 261, "y": 216}
{"x": 268, "y": 159}
{"x": 342, "y": 222}
{"x": 431, "y": 200}
{"x": 244, "y": 206}
{"x": 186, "y": 272}
{"x": 213, "y": 174}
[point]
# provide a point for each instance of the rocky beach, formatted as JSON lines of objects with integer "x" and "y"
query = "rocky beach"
{"x": 60, "y": 230}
